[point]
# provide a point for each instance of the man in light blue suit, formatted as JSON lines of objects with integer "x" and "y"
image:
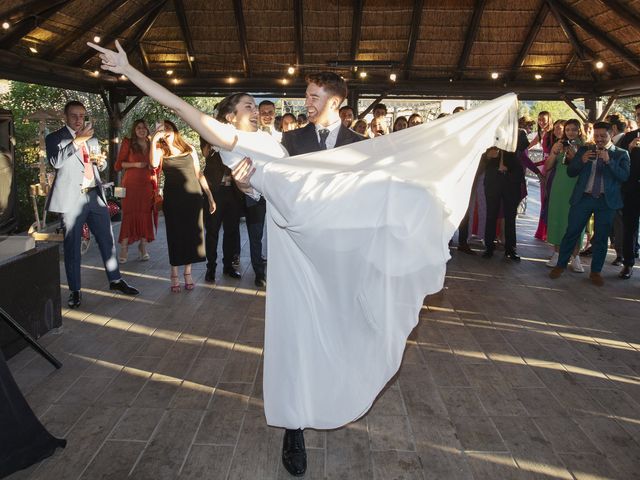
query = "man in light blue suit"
{"x": 77, "y": 194}
{"x": 601, "y": 170}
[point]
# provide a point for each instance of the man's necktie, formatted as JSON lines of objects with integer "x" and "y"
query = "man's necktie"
{"x": 596, "y": 191}
{"x": 88, "y": 167}
{"x": 324, "y": 133}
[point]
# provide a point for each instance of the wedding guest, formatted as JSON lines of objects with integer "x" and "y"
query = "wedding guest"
{"x": 600, "y": 170}
{"x": 302, "y": 120}
{"x": 182, "y": 205}
{"x": 503, "y": 177}
{"x": 77, "y": 193}
{"x": 380, "y": 110}
{"x": 228, "y": 201}
{"x": 587, "y": 129}
{"x": 360, "y": 127}
{"x": 378, "y": 127}
{"x": 561, "y": 190}
{"x": 415, "y": 119}
{"x": 289, "y": 122}
{"x": 400, "y": 124}
{"x": 139, "y": 182}
{"x": 267, "y": 114}
{"x": 631, "y": 200}
{"x": 346, "y": 115}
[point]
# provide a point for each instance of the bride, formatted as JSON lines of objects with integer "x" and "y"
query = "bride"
{"x": 358, "y": 236}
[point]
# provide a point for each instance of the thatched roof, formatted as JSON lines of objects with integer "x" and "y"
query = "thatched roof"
{"x": 447, "y": 48}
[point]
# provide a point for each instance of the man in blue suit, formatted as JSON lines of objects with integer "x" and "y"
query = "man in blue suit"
{"x": 601, "y": 170}
{"x": 77, "y": 194}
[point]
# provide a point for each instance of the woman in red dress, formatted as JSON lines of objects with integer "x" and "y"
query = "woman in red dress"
{"x": 140, "y": 182}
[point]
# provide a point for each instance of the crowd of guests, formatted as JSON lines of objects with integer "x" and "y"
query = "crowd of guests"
{"x": 589, "y": 177}
{"x": 590, "y": 193}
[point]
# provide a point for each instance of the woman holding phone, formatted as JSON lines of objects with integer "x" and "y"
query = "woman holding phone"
{"x": 182, "y": 205}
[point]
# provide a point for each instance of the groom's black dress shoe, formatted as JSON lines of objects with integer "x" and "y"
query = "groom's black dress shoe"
{"x": 231, "y": 272}
{"x": 294, "y": 454}
{"x": 74, "y": 299}
{"x": 123, "y": 287}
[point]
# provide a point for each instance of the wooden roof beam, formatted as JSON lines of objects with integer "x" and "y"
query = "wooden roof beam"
{"x": 470, "y": 38}
{"x": 539, "y": 20}
{"x": 298, "y": 22}
{"x": 581, "y": 115}
{"x": 414, "y": 33}
{"x": 29, "y": 23}
{"x": 186, "y": 34}
{"x": 242, "y": 35}
{"x": 607, "y": 107}
{"x": 143, "y": 29}
{"x": 145, "y": 59}
{"x": 372, "y": 105}
{"x": 26, "y": 10}
{"x": 133, "y": 19}
{"x": 625, "y": 13}
{"x": 356, "y": 28}
{"x": 620, "y": 50}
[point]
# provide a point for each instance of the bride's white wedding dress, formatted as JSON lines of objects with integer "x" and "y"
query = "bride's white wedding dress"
{"x": 358, "y": 235}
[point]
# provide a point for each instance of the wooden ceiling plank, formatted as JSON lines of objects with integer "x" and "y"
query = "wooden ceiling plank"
{"x": 470, "y": 37}
{"x": 625, "y": 13}
{"x": 25, "y": 26}
{"x": 242, "y": 36}
{"x": 298, "y": 21}
{"x": 539, "y": 20}
{"x": 414, "y": 33}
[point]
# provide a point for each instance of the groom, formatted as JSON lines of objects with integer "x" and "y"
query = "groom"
{"x": 325, "y": 92}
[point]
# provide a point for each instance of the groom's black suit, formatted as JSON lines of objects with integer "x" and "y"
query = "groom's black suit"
{"x": 305, "y": 140}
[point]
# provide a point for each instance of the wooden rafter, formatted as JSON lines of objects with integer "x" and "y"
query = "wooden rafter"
{"x": 470, "y": 37}
{"x": 581, "y": 115}
{"x": 584, "y": 54}
{"x": 131, "y": 104}
{"x": 356, "y": 28}
{"x": 242, "y": 35}
{"x": 607, "y": 107}
{"x": 414, "y": 33}
{"x": 620, "y": 50}
{"x": 26, "y": 10}
{"x": 298, "y": 21}
{"x": 87, "y": 25}
{"x": 570, "y": 64}
{"x": 145, "y": 59}
{"x": 625, "y": 13}
{"x": 186, "y": 34}
{"x": 131, "y": 20}
{"x": 539, "y": 20}
{"x": 143, "y": 28}
{"x": 29, "y": 23}
{"x": 373, "y": 105}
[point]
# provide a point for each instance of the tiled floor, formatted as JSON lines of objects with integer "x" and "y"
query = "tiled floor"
{"x": 508, "y": 375}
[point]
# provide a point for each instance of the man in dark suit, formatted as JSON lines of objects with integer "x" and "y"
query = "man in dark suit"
{"x": 228, "y": 211}
{"x": 601, "y": 170}
{"x": 77, "y": 194}
{"x": 631, "y": 200}
{"x": 325, "y": 92}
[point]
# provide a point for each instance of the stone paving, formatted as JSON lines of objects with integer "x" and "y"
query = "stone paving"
{"x": 509, "y": 375}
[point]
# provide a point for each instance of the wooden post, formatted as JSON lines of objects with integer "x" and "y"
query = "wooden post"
{"x": 352, "y": 101}
{"x": 112, "y": 102}
{"x": 593, "y": 105}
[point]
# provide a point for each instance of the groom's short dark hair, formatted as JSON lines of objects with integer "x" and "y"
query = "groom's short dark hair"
{"x": 331, "y": 82}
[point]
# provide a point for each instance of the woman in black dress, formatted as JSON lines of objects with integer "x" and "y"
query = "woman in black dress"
{"x": 182, "y": 204}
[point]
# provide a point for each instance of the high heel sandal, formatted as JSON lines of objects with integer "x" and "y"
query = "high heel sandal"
{"x": 188, "y": 286}
{"x": 175, "y": 288}
{"x": 122, "y": 258}
{"x": 143, "y": 256}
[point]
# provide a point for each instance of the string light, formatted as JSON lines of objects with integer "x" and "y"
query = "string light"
{"x": 562, "y": 80}
{"x": 96, "y": 73}
{"x": 285, "y": 81}
{"x": 97, "y": 39}
{"x": 393, "y": 77}
{"x": 33, "y": 49}
{"x": 291, "y": 70}
{"x": 363, "y": 74}
{"x": 231, "y": 80}
{"x": 599, "y": 64}
{"x": 191, "y": 58}
{"x": 169, "y": 72}
{"x": 6, "y": 25}
{"x": 123, "y": 77}
{"x": 495, "y": 75}
{"x": 537, "y": 76}
{"x": 175, "y": 81}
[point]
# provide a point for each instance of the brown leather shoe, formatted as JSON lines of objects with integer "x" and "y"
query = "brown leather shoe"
{"x": 596, "y": 279}
{"x": 556, "y": 272}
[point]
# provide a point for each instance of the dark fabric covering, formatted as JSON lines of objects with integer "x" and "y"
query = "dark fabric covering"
{"x": 23, "y": 439}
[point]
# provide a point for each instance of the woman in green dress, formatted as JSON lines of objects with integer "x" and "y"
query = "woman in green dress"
{"x": 561, "y": 154}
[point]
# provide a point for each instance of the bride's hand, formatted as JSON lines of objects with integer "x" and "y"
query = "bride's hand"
{"x": 115, "y": 62}
{"x": 242, "y": 175}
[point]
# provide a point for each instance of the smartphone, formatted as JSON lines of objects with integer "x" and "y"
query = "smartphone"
{"x": 87, "y": 124}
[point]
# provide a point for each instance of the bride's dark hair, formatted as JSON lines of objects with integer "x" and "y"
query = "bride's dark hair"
{"x": 228, "y": 105}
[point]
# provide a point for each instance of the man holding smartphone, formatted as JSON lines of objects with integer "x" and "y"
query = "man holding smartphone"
{"x": 601, "y": 169}
{"x": 78, "y": 195}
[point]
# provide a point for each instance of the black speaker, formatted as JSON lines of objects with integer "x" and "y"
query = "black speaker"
{"x": 8, "y": 193}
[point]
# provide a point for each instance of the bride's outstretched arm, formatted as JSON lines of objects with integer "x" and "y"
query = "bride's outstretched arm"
{"x": 211, "y": 130}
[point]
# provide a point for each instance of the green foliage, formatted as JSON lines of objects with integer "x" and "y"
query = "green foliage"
{"x": 625, "y": 107}
{"x": 23, "y": 99}
{"x": 558, "y": 110}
